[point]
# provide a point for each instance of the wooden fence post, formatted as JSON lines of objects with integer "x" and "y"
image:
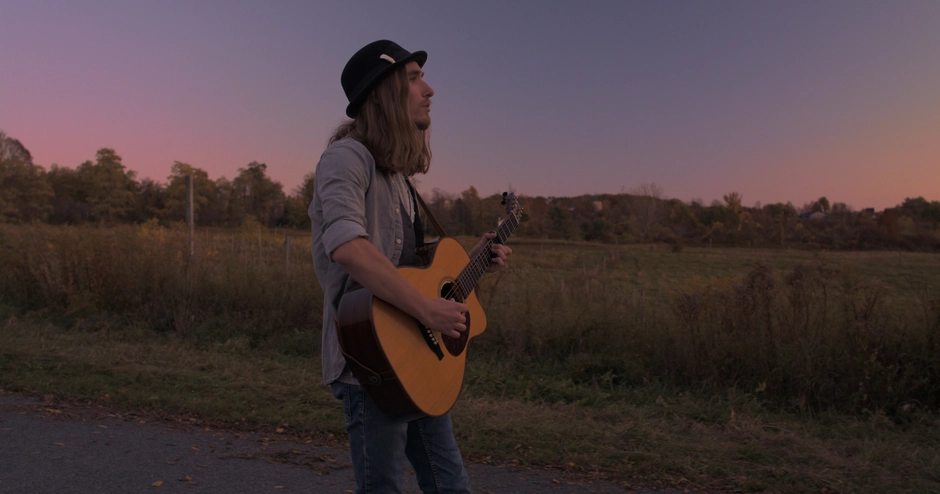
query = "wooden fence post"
{"x": 189, "y": 216}
{"x": 287, "y": 254}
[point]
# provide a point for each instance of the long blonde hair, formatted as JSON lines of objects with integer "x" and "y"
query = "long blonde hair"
{"x": 384, "y": 127}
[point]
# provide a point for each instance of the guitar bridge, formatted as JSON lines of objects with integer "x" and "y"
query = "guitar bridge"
{"x": 431, "y": 341}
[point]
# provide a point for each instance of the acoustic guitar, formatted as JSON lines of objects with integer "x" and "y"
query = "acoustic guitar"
{"x": 403, "y": 366}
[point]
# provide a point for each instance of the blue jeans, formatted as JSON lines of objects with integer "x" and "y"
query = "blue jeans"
{"x": 379, "y": 446}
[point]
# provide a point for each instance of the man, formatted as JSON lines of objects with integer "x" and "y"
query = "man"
{"x": 366, "y": 224}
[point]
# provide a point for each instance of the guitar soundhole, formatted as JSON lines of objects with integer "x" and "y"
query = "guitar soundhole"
{"x": 455, "y": 346}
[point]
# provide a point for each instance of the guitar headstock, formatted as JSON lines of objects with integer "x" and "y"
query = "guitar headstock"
{"x": 512, "y": 204}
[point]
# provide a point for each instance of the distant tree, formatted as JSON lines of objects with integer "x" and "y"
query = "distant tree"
{"x": 888, "y": 221}
{"x": 733, "y": 201}
{"x": 260, "y": 196}
{"x": 205, "y": 194}
{"x": 295, "y": 213}
{"x": 69, "y": 204}
{"x": 597, "y": 230}
{"x": 151, "y": 201}
{"x": 441, "y": 204}
{"x": 12, "y": 149}
{"x": 25, "y": 193}
{"x": 305, "y": 190}
{"x": 682, "y": 219}
{"x": 840, "y": 208}
{"x": 779, "y": 221}
{"x": 820, "y": 205}
{"x": 109, "y": 187}
{"x": 716, "y": 212}
{"x": 780, "y": 211}
{"x": 561, "y": 224}
{"x": 462, "y": 215}
{"x": 296, "y": 204}
{"x": 536, "y": 210}
{"x": 920, "y": 209}
{"x": 647, "y": 207}
{"x": 472, "y": 223}
{"x": 231, "y": 206}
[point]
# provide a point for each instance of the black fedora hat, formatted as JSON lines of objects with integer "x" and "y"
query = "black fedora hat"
{"x": 369, "y": 66}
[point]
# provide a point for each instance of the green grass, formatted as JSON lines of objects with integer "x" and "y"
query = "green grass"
{"x": 137, "y": 368}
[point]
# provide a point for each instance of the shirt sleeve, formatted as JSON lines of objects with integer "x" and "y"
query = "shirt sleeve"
{"x": 342, "y": 179}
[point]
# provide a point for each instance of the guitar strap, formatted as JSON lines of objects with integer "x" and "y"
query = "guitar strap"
{"x": 434, "y": 223}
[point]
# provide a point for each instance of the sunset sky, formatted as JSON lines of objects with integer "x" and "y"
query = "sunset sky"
{"x": 776, "y": 100}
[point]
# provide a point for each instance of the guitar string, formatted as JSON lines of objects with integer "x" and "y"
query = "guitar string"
{"x": 479, "y": 265}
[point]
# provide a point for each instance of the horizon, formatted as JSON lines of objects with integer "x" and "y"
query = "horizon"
{"x": 778, "y": 101}
{"x": 456, "y": 194}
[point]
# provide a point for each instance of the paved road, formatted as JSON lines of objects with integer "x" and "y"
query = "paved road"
{"x": 61, "y": 448}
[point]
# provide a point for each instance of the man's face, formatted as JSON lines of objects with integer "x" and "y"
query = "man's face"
{"x": 419, "y": 96}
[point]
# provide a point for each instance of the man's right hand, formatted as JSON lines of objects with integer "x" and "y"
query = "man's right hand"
{"x": 445, "y": 316}
{"x": 377, "y": 274}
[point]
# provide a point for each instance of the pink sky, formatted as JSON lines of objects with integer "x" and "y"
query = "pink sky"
{"x": 779, "y": 101}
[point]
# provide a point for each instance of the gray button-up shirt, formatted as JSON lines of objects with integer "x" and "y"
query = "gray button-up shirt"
{"x": 351, "y": 199}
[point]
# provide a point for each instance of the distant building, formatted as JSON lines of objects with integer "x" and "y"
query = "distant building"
{"x": 813, "y": 215}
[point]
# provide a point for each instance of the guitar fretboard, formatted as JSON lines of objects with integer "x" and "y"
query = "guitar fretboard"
{"x": 470, "y": 276}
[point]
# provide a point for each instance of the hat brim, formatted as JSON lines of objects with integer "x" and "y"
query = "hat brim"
{"x": 360, "y": 97}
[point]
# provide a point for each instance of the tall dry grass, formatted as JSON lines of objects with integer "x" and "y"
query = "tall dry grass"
{"x": 814, "y": 335}
{"x": 250, "y": 285}
{"x": 817, "y": 335}
{"x": 805, "y": 334}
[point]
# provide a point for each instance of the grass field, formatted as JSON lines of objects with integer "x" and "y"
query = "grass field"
{"x": 636, "y": 362}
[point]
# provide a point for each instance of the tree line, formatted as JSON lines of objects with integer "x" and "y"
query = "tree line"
{"x": 645, "y": 216}
{"x": 104, "y": 191}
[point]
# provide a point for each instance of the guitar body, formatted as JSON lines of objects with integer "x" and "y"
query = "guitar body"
{"x": 393, "y": 356}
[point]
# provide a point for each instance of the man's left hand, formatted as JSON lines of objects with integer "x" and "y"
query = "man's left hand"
{"x": 498, "y": 252}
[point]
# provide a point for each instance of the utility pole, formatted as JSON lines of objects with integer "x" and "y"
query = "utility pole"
{"x": 189, "y": 216}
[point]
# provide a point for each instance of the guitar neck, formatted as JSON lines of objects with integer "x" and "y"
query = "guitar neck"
{"x": 470, "y": 276}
